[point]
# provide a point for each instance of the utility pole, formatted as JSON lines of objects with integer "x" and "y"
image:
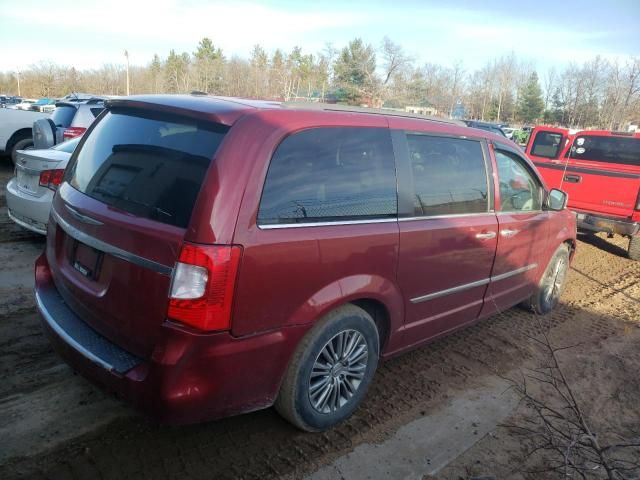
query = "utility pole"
{"x": 18, "y": 77}
{"x": 126, "y": 54}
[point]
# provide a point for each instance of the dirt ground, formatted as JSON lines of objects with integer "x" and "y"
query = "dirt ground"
{"x": 55, "y": 425}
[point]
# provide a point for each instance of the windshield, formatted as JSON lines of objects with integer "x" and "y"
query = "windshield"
{"x": 69, "y": 146}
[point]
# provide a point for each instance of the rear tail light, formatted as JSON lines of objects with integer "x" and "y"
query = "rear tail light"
{"x": 72, "y": 132}
{"x": 202, "y": 286}
{"x": 51, "y": 178}
{"x": 638, "y": 200}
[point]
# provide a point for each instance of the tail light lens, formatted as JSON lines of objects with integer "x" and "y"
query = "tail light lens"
{"x": 51, "y": 178}
{"x": 72, "y": 132}
{"x": 202, "y": 286}
{"x": 638, "y": 200}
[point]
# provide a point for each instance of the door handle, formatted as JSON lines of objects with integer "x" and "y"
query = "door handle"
{"x": 486, "y": 235}
{"x": 508, "y": 232}
{"x": 573, "y": 178}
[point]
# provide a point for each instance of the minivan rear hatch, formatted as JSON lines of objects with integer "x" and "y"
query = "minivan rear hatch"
{"x": 119, "y": 219}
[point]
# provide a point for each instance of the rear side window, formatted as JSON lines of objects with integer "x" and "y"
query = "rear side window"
{"x": 149, "y": 165}
{"x": 547, "y": 145}
{"x": 622, "y": 150}
{"x": 330, "y": 174}
{"x": 449, "y": 175}
{"x": 63, "y": 115}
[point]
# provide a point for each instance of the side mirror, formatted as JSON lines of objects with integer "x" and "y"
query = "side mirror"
{"x": 556, "y": 200}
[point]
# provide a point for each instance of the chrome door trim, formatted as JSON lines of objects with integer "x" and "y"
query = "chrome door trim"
{"x": 467, "y": 286}
{"x": 276, "y": 226}
{"x": 453, "y": 215}
{"x": 512, "y": 273}
{"x": 449, "y": 291}
{"x": 110, "y": 249}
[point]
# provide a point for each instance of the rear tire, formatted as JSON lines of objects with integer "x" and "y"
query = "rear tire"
{"x": 552, "y": 283}
{"x": 330, "y": 371}
{"x": 23, "y": 144}
{"x": 634, "y": 248}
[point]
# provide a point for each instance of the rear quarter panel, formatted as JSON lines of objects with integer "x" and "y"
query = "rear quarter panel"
{"x": 293, "y": 276}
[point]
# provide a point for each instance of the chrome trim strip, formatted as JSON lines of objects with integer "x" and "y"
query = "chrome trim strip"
{"x": 453, "y": 215}
{"x": 512, "y": 273}
{"x": 467, "y": 286}
{"x": 110, "y": 249}
{"x": 82, "y": 218}
{"x": 325, "y": 224}
{"x": 449, "y": 291}
{"x": 68, "y": 339}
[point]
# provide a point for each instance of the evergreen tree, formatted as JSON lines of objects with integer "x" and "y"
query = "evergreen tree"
{"x": 355, "y": 71}
{"x": 531, "y": 103}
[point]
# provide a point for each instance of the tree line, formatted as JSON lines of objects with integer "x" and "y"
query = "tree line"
{"x": 597, "y": 93}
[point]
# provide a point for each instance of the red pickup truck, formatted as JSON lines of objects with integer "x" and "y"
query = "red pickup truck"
{"x": 600, "y": 171}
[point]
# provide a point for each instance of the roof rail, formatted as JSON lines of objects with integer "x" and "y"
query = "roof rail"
{"x": 374, "y": 111}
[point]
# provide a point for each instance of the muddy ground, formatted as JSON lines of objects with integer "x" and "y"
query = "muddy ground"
{"x": 54, "y": 424}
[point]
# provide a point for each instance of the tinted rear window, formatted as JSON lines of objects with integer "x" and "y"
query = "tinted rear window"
{"x": 546, "y": 144}
{"x": 63, "y": 115}
{"x": 331, "y": 174}
{"x": 148, "y": 165}
{"x": 96, "y": 111}
{"x": 69, "y": 146}
{"x": 622, "y": 150}
{"x": 449, "y": 176}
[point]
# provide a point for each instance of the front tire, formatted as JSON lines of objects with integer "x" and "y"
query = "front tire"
{"x": 633, "y": 251}
{"x": 552, "y": 283}
{"x": 331, "y": 370}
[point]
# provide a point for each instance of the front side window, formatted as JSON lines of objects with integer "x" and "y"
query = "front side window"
{"x": 547, "y": 145}
{"x": 330, "y": 174}
{"x": 520, "y": 191}
{"x": 449, "y": 175}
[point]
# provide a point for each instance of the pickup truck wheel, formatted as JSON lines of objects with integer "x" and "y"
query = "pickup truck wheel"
{"x": 634, "y": 248}
{"x": 549, "y": 290}
{"x": 24, "y": 144}
{"x": 330, "y": 371}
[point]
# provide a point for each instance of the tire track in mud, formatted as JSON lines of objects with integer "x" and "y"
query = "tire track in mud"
{"x": 262, "y": 446}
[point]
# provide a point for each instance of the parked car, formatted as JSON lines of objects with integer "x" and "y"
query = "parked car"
{"x": 38, "y": 175}
{"x": 15, "y": 130}
{"x": 8, "y": 101}
{"x": 600, "y": 171}
{"x": 208, "y": 256}
{"x": 47, "y": 105}
{"x": 25, "y": 104}
{"x": 508, "y": 132}
{"x": 490, "y": 127}
{"x": 69, "y": 119}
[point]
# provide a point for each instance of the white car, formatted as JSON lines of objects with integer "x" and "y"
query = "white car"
{"x": 38, "y": 175}
{"x": 25, "y": 104}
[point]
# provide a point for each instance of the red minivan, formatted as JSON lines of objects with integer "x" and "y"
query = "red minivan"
{"x": 211, "y": 256}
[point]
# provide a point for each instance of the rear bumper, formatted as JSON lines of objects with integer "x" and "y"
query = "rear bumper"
{"x": 190, "y": 377}
{"x": 598, "y": 223}
{"x": 28, "y": 211}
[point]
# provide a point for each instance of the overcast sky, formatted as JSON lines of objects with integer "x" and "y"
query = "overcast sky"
{"x": 89, "y": 33}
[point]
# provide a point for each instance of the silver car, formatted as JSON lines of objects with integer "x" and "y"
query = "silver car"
{"x": 37, "y": 176}
{"x": 69, "y": 119}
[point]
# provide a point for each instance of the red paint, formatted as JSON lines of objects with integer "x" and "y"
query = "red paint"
{"x": 287, "y": 278}
{"x": 602, "y": 189}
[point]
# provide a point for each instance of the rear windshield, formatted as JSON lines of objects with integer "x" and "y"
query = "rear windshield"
{"x": 149, "y": 165}
{"x": 622, "y": 150}
{"x": 69, "y": 146}
{"x": 63, "y": 115}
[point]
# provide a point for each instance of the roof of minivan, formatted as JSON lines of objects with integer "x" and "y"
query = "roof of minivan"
{"x": 227, "y": 110}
